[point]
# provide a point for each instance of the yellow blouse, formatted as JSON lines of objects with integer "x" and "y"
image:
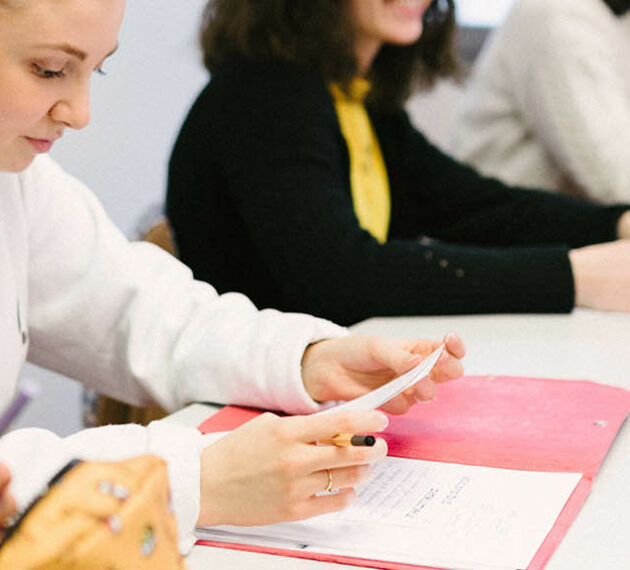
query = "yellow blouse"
{"x": 368, "y": 175}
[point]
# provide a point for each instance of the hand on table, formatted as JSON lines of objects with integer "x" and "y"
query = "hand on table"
{"x": 345, "y": 368}
{"x": 623, "y": 226}
{"x": 269, "y": 469}
{"x": 601, "y": 274}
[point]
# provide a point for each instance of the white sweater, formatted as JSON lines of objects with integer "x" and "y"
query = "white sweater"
{"x": 549, "y": 99}
{"x": 129, "y": 320}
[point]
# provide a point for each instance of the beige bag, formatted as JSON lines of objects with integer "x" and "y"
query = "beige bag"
{"x": 98, "y": 515}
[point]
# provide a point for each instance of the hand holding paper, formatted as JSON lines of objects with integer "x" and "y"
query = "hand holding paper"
{"x": 385, "y": 393}
{"x": 350, "y": 367}
{"x": 457, "y": 490}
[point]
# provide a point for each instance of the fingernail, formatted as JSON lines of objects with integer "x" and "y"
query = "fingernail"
{"x": 384, "y": 420}
{"x": 421, "y": 400}
{"x": 385, "y": 452}
{"x": 380, "y": 453}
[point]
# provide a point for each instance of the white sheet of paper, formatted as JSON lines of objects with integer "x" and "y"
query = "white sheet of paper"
{"x": 376, "y": 398}
{"x": 430, "y": 513}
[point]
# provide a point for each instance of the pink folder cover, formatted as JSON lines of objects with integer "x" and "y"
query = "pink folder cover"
{"x": 508, "y": 422}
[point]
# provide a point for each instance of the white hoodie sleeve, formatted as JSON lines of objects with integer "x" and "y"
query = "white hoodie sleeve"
{"x": 34, "y": 455}
{"x": 129, "y": 320}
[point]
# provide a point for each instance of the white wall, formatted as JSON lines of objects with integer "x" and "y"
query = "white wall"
{"x": 136, "y": 111}
{"x": 138, "y": 107}
{"x": 484, "y": 13}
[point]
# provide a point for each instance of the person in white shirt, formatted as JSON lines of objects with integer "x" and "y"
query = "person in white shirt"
{"x": 129, "y": 320}
{"x": 548, "y": 103}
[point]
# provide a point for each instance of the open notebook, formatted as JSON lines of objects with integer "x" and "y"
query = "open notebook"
{"x": 516, "y": 456}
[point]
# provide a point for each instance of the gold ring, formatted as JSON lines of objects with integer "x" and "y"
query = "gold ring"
{"x": 329, "y": 486}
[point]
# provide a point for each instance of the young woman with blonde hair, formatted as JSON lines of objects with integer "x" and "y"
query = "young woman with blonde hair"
{"x": 129, "y": 320}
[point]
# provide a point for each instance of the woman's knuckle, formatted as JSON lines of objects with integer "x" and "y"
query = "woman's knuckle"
{"x": 345, "y": 424}
{"x": 362, "y": 473}
{"x": 354, "y": 475}
{"x": 292, "y": 489}
{"x": 283, "y": 431}
{"x": 363, "y": 454}
{"x": 344, "y": 500}
{"x": 293, "y": 511}
{"x": 287, "y": 466}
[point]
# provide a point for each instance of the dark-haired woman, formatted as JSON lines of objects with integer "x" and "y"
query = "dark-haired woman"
{"x": 298, "y": 179}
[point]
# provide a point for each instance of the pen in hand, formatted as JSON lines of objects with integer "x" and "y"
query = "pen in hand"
{"x": 347, "y": 439}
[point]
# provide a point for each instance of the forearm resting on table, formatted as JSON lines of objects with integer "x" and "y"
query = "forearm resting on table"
{"x": 623, "y": 226}
{"x": 601, "y": 273}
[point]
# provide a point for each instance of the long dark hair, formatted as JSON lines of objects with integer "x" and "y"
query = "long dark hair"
{"x": 319, "y": 33}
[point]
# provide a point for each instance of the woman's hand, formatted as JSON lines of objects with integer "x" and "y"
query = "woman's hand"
{"x": 345, "y": 368}
{"x": 7, "y": 503}
{"x": 269, "y": 470}
{"x": 601, "y": 274}
{"x": 623, "y": 226}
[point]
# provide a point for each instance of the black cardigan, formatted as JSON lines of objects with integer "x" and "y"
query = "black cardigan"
{"x": 259, "y": 199}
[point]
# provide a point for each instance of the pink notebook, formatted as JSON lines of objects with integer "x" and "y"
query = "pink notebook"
{"x": 506, "y": 422}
